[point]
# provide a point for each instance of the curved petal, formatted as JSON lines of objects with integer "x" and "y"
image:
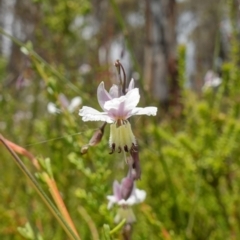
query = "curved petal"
{"x": 91, "y": 114}
{"x": 116, "y": 189}
{"x": 114, "y": 91}
{"x": 131, "y": 85}
{"x": 114, "y": 103}
{"x": 150, "y": 111}
{"x": 132, "y": 99}
{"x": 137, "y": 196}
{"x": 102, "y": 95}
{"x": 140, "y": 195}
{"x": 112, "y": 200}
{"x": 115, "y": 107}
{"x": 122, "y": 107}
{"x": 117, "y": 110}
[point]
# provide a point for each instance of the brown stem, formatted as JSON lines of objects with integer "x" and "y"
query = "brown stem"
{"x": 23, "y": 152}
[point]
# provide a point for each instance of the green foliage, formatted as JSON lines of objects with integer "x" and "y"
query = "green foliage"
{"x": 190, "y": 164}
{"x": 28, "y": 233}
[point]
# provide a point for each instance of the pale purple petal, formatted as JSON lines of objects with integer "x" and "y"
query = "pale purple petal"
{"x": 63, "y": 100}
{"x": 131, "y": 85}
{"x": 114, "y": 103}
{"x": 114, "y": 91}
{"x": 121, "y": 108}
{"x": 102, "y": 95}
{"x": 116, "y": 108}
{"x": 117, "y": 189}
{"x": 91, "y": 114}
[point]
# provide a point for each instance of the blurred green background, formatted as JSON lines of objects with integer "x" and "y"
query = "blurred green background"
{"x": 189, "y": 152}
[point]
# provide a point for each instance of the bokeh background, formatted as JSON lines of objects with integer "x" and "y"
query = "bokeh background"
{"x": 184, "y": 56}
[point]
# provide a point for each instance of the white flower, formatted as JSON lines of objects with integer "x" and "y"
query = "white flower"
{"x": 70, "y": 106}
{"x": 116, "y": 111}
{"x": 52, "y": 108}
{"x": 136, "y": 196}
{"x": 125, "y": 195}
{"x": 211, "y": 80}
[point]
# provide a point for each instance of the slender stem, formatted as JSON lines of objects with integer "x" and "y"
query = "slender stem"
{"x": 40, "y": 191}
{"x": 90, "y": 222}
{"x": 118, "y": 227}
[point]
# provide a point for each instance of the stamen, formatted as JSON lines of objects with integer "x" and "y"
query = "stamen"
{"x": 111, "y": 152}
{"x": 122, "y": 137}
{"x": 112, "y": 149}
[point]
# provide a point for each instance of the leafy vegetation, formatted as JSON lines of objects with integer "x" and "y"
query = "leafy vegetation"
{"x": 190, "y": 160}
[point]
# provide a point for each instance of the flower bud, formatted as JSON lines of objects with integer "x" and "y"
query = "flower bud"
{"x": 96, "y": 138}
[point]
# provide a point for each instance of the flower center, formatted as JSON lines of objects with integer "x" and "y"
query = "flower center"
{"x": 121, "y": 136}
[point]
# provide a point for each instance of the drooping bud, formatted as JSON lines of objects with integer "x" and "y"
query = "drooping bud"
{"x": 96, "y": 138}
